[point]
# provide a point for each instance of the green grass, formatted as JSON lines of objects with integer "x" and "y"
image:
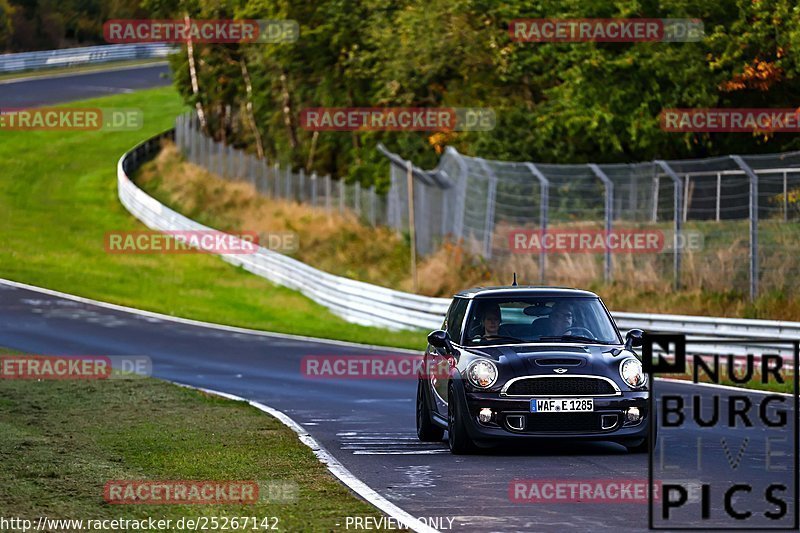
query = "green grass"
{"x": 61, "y": 441}
{"x": 58, "y": 199}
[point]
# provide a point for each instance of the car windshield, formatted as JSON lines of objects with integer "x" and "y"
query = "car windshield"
{"x": 538, "y": 319}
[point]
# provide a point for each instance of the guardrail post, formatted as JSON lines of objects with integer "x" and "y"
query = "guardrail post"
{"x": 544, "y": 203}
{"x": 754, "y": 274}
{"x": 677, "y": 242}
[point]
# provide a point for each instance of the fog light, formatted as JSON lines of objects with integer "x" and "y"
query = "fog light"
{"x": 485, "y": 415}
{"x": 632, "y": 415}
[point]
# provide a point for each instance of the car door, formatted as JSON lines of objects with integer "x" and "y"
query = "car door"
{"x": 439, "y": 360}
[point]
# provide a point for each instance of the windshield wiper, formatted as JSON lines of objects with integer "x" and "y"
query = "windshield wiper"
{"x": 573, "y": 338}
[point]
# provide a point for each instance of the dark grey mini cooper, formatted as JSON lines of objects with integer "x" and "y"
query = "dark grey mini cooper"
{"x": 531, "y": 362}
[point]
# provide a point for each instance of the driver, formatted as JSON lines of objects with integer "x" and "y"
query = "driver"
{"x": 561, "y": 319}
{"x": 490, "y": 320}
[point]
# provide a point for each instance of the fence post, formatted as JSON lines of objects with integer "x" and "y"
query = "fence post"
{"x": 411, "y": 223}
{"x": 372, "y": 206}
{"x": 677, "y": 242}
{"x": 754, "y": 274}
{"x": 328, "y": 193}
{"x": 544, "y": 204}
{"x": 314, "y": 189}
{"x": 461, "y": 198}
{"x": 785, "y": 199}
{"x": 210, "y": 153}
{"x": 609, "y": 213}
{"x": 357, "y": 200}
{"x": 719, "y": 191}
{"x": 341, "y": 195}
{"x": 302, "y": 191}
{"x": 276, "y": 180}
{"x": 686, "y": 198}
{"x": 261, "y": 165}
{"x": 288, "y": 189}
{"x": 488, "y": 224}
{"x": 656, "y": 186}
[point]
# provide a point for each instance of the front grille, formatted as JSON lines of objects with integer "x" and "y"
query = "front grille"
{"x": 566, "y": 386}
{"x": 565, "y": 422}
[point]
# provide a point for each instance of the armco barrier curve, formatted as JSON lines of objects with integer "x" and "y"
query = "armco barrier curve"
{"x": 370, "y": 305}
{"x": 67, "y": 57}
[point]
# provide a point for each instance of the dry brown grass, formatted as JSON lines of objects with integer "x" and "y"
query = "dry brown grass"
{"x": 340, "y": 244}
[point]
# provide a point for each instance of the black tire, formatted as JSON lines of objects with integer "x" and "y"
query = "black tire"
{"x": 457, "y": 437}
{"x": 644, "y": 446}
{"x": 427, "y": 431}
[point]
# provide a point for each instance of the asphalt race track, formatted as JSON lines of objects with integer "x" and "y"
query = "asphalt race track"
{"x": 66, "y": 88}
{"x": 368, "y": 425}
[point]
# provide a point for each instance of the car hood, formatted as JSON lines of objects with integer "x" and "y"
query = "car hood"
{"x": 545, "y": 358}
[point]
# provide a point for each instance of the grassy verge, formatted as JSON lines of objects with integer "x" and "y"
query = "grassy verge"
{"x": 78, "y": 69}
{"x": 62, "y": 441}
{"x": 58, "y": 200}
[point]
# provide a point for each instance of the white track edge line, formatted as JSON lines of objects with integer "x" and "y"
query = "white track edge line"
{"x": 334, "y": 466}
{"x": 211, "y": 325}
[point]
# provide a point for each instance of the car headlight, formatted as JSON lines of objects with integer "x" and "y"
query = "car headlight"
{"x": 632, "y": 373}
{"x": 482, "y": 374}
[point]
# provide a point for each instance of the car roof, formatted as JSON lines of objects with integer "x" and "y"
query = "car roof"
{"x": 522, "y": 291}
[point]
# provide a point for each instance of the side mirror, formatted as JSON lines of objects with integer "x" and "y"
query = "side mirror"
{"x": 633, "y": 338}
{"x": 440, "y": 339}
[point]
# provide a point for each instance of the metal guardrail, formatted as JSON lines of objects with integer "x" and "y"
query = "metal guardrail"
{"x": 371, "y": 305}
{"x": 353, "y": 300}
{"x": 68, "y": 57}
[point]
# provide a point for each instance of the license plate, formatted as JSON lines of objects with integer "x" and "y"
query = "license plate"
{"x": 562, "y": 405}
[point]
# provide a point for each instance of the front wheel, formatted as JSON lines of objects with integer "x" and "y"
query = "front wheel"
{"x": 427, "y": 431}
{"x": 644, "y": 446}
{"x": 457, "y": 437}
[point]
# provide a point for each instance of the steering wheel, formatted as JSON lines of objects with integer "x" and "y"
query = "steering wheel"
{"x": 580, "y": 329}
